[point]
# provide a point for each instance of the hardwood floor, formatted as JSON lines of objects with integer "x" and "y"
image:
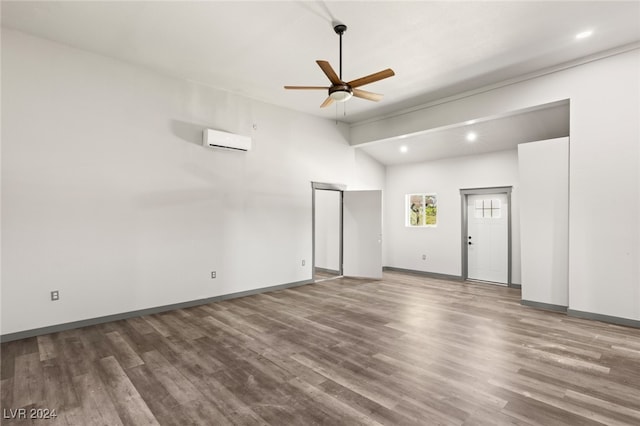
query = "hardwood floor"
{"x": 406, "y": 350}
{"x": 322, "y": 275}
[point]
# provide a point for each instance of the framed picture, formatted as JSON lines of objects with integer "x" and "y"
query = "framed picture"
{"x": 421, "y": 210}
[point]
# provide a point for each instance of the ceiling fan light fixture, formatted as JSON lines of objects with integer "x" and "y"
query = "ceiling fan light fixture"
{"x": 340, "y": 92}
{"x": 341, "y": 95}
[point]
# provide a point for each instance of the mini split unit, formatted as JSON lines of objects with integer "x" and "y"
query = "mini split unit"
{"x": 217, "y": 139}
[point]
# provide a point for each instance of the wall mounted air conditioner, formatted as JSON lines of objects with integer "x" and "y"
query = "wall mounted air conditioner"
{"x": 217, "y": 139}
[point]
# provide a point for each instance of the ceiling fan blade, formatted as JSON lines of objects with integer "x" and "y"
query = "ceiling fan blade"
{"x": 359, "y": 93}
{"x": 327, "y": 102}
{"x": 329, "y": 72}
{"x": 371, "y": 78}
{"x": 306, "y": 87}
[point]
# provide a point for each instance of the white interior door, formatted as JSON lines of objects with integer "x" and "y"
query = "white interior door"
{"x": 487, "y": 237}
{"x": 362, "y": 234}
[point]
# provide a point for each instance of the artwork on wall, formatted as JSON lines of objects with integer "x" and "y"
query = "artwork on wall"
{"x": 421, "y": 210}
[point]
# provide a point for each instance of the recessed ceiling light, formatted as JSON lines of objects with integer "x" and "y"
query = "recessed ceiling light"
{"x": 468, "y": 122}
{"x": 472, "y": 136}
{"x": 583, "y": 34}
{"x": 404, "y": 149}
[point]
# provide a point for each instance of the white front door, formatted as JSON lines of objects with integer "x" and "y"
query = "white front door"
{"x": 487, "y": 237}
{"x": 362, "y": 234}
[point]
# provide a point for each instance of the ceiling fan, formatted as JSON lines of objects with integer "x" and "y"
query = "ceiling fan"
{"x": 341, "y": 91}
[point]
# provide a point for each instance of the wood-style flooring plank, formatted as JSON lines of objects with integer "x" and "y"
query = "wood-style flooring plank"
{"x": 132, "y": 409}
{"x": 171, "y": 379}
{"x": 28, "y": 383}
{"x": 96, "y": 406}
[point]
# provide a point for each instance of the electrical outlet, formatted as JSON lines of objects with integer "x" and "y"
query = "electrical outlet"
{"x": 213, "y": 274}
{"x": 424, "y": 257}
{"x": 55, "y": 295}
{"x": 303, "y": 262}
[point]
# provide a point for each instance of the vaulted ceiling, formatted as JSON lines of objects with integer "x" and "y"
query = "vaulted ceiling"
{"x": 436, "y": 48}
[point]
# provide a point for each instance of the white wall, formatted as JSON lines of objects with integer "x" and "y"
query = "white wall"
{"x": 543, "y": 168}
{"x": 327, "y": 235}
{"x": 604, "y": 242}
{"x": 404, "y": 246}
{"x": 108, "y": 196}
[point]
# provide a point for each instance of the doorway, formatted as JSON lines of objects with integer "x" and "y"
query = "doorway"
{"x": 347, "y": 232}
{"x": 486, "y": 235}
{"x": 327, "y": 231}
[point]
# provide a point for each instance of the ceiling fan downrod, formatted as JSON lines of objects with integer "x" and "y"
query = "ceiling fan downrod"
{"x": 340, "y": 29}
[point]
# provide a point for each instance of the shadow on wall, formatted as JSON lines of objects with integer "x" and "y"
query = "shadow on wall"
{"x": 190, "y": 132}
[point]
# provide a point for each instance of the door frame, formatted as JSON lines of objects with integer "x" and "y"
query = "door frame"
{"x": 464, "y": 193}
{"x": 323, "y": 186}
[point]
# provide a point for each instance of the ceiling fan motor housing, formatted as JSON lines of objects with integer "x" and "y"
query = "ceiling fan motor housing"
{"x": 340, "y": 92}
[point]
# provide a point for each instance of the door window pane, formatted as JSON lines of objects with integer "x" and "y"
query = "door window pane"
{"x": 488, "y": 209}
